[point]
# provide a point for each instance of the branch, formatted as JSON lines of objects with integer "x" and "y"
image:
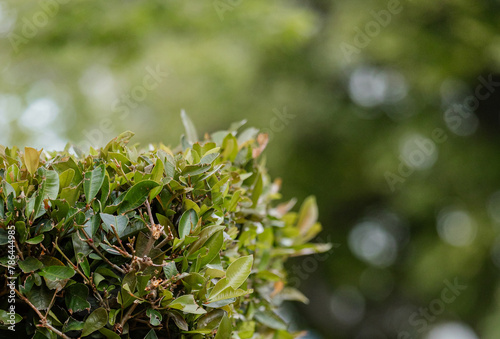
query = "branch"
{"x": 42, "y": 318}
{"x": 91, "y": 244}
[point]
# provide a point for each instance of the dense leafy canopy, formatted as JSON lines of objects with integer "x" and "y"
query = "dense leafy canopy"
{"x": 131, "y": 243}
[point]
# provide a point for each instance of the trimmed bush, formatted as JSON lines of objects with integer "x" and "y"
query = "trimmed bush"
{"x": 156, "y": 243}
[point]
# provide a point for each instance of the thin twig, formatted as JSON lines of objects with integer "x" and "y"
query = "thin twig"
{"x": 51, "y": 304}
{"x": 42, "y": 318}
{"x": 119, "y": 166}
{"x": 151, "y": 239}
{"x": 18, "y": 250}
{"x": 118, "y": 238}
{"x": 150, "y": 214}
{"x": 91, "y": 244}
{"x": 128, "y": 315}
{"x": 75, "y": 267}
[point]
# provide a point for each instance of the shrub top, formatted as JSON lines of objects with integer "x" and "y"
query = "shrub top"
{"x": 157, "y": 243}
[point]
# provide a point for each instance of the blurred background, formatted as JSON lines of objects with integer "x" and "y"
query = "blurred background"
{"x": 387, "y": 111}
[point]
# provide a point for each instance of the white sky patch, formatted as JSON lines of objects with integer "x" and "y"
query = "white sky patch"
{"x": 39, "y": 115}
{"x": 452, "y": 331}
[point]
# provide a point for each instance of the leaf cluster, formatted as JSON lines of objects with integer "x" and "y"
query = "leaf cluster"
{"x": 156, "y": 243}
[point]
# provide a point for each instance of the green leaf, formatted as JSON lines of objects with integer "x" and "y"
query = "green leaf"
{"x": 49, "y": 190}
{"x": 76, "y": 298}
{"x": 236, "y": 275}
{"x": 21, "y": 231}
{"x": 36, "y": 240}
{"x": 66, "y": 178}
{"x": 155, "y": 192}
{"x": 225, "y": 328}
{"x": 308, "y": 215}
{"x": 2, "y": 208}
{"x": 204, "y": 235}
{"x": 67, "y": 164}
{"x": 155, "y": 317}
{"x": 5, "y": 318}
{"x": 151, "y": 335}
{"x": 211, "y": 320}
{"x": 191, "y": 134}
{"x": 169, "y": 269}
{"x": 96, "y": 320}
{"x": 108, "y": 333}
{"x": 229, "y": 148}
{"x": 157, "y": 173}
{"x": 170, "y": 166}
{"x": 239, "y": 271}
{"x": 40, "y": 297}
{"x": 93, "y": 181}
{"x": 51, "y": 185}
{"x": 187, "y": 223}
{"x": 214, "y": 245}
{"x": 193, "y": 170}
{"x": 136, "y": 196}
{"x": 119, "y": 222}
{"x": 209, "y": 158}
{"x": 84, "y": 264}
{"x": 129, "y": 282}
{"x": 270, "y": 319}
{"x": 257, "y": 190}
{"x": 72, "y": 325}
{"x": 71, "y": 194}
{"x": 120, "y": 158}
{"x": 228, "y": 293}
{"x": 55, "y": 273}
{"x": 4, "y": 237}
{"x": 31, "y": 264}
{"x": 179, "y": 320}
{"x": 187, "y": 304}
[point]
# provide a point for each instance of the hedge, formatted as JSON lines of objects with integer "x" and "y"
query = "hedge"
{"x": 156, "y": 243}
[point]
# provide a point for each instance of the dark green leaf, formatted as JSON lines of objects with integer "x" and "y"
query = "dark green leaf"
{"x": 119, "y": 222}
{"x": 225, "y": 328}
{"x": 30, "y": 265}
{"x": 76, "y": 297}
{"x": 136, "y": 196}
{"x": 270, "y": 319}
{"x": 151, "y": 335}
{"x": 96, "y": 320}
{"x": 211, "y": 320}
{"x": 55, "y": 273}
{"x": 36, "y": 240}
{"x": 155, "y": 317}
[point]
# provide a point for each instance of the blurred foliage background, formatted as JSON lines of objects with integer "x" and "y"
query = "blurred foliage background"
{"x": 387, "y": 111}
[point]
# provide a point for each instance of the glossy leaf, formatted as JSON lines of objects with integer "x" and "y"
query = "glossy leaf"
{"x": 92, "y": 182}
{"x": 119, "y": 222}
{"x": 187, "y": 304}
{"x": 30, "y": 265}
{"x": 239, "y": 271}
{"x": 96, "y": 320}
{"x": 225, "y": 329}
{"x": 136, "y": 196}
{"x": 55, "y": 273}
{"x": 187, "y": 223}
{"x": 76, "y": 296}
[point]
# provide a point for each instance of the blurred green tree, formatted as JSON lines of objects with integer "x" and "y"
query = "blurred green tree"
{"x": 386, "y": 110}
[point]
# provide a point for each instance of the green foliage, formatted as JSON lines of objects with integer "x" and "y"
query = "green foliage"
{"x": 124, "y": 243}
